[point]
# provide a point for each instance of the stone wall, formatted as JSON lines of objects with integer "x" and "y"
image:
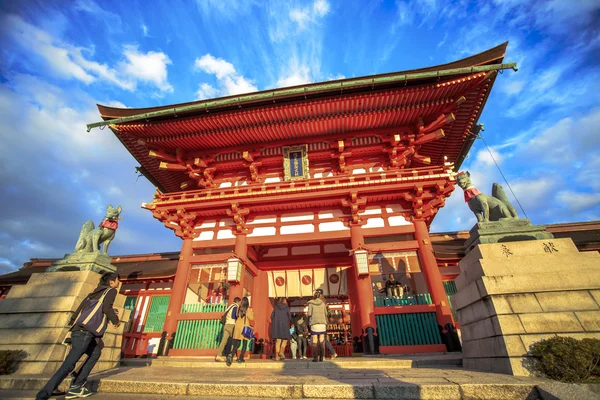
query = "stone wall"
{"x": 33, "y": 317}
{"x": 511, "y": 295}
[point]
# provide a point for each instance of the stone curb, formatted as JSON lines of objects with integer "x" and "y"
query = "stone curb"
{"x": 334, "y": 390}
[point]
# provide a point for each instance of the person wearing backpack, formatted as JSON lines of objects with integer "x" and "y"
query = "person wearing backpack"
{"x": 228, "y": 321}
{"x": 88, "y": 324}
{"x": 242, "y": 332}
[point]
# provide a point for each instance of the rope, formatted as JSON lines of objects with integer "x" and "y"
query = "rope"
{"x": 479, "y": 136}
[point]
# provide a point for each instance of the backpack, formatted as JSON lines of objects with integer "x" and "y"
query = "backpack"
{"x": 224, "y": 317}
{"x": 91, "y": 317}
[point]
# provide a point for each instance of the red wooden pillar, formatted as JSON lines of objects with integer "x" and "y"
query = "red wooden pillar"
{"x": 364, "y": 289}
{"x": 241, "y": 250}
{"x": 261, "y": 305}
{"x": 432, "y": 275}
{"x": 179, "y": 287}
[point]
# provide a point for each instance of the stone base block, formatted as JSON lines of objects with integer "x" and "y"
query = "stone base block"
{"x": 512, "y": 230}
{"x": 33, "y": 318}
{"x": 96, "y": 262}
{"x": 514, "y": 294}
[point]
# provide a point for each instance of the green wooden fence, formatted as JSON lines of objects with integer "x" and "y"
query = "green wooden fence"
{"x": 406, "y": 300}
{"x": 157, "y": 314}
{"x": 409, "y": 329}
{"x": 199, "y": 334}
{"x": 203, "y": 308}
{"x": 450, "y": 288}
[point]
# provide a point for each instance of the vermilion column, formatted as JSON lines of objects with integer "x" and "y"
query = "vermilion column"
{"x": 261, "y": 305}
{"x": 179, "y": 287}
{"x": 241, "y": 250}
{"x": 432, "y": 275}
{"x": 363, "y": 284}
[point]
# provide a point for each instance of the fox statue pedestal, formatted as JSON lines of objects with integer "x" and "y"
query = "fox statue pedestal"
{"x": 512, "y": 294}
{"x": 95, "y": 261}
{"x": 33, "y": 318}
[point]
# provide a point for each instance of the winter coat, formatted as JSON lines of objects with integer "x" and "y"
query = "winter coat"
{"x": 280, "y": 322}
{"x": 317, "y": 312}
{"x": 239, "y": 324}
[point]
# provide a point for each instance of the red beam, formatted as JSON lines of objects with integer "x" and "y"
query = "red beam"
{"x": 420, "y": 308}
{"x": 426, "y": 348}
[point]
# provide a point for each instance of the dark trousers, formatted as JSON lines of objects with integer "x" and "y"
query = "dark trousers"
{"x": 302, "y": 345}
{"x": 82, "y": 342}
{"x": 233, "y": 345}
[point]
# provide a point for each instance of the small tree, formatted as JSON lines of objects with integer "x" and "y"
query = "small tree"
{"x": 567, "y": 359}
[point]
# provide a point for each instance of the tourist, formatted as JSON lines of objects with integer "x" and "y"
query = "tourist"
{"x": 327, "y": 343}
{"x": 86, "y": 337}
{"x": 302, "y": 333}
{"x": 393, "y": 287}
{"x": 280, "y": 327}
{"x": 245, "y": 318}
{"x": 293, "y": 340}
{"x": 317, "y": 317}
{"x": 230, "y": 317}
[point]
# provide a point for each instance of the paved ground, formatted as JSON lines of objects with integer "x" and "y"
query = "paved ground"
{"x": 324, "y": 383}
{"x": 383, "y": 378}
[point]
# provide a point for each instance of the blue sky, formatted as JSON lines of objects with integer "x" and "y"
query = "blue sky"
{"x": 60, "y": 58}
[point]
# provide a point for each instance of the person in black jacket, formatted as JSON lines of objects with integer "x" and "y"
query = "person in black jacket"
{"x": 84, "y": 342}
{"x": 392, "y": 286}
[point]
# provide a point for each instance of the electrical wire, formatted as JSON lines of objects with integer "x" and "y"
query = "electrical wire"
{"x": 128, "y": 199}
{"x": 479, "y": 136}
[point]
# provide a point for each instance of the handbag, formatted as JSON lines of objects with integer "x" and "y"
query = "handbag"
{"x": 91, "y": 317}
{"x": 247, "y": 331}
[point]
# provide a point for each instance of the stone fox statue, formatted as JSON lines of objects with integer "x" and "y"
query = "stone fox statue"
{"x": 91, "y": 238}
{"x": 486, "y": 208}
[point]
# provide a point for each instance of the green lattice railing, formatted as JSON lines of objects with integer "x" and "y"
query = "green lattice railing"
{"x": 199, "y": 334}
{"x": 408, "y": 329}
{"x": 406, "y": 300}
{"x": 450, "y": 288}
{"x": 157, "y": 314}
{"x": 203, "y": 308}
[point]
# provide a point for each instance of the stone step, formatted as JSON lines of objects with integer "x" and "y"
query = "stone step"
{"x": 125, "y": 390}
{"x": 425, "y": 361}
{"x": 323, "y": 383}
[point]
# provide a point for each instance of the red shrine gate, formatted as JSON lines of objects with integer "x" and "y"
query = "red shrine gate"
{"x": 329, "y": 185}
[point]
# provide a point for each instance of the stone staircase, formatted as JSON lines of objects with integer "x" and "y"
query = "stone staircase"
{"x": 413, "y": 377}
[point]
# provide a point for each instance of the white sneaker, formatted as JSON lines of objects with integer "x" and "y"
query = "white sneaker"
{"x": 333, "y": 356}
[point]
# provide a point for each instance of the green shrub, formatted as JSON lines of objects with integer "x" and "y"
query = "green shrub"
{"x": 567, "y": 359}
{"x": 10, "y": 360}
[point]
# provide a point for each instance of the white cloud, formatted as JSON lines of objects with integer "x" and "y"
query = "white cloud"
{"x": 216, "y": 66}
{"x": 300, "y": 16}
{"x": 206, "y": 91}
{"x": 149, "y": 67}
{"x": 577, "y": 201}
{"x": 237, "y": 84}
{"x": 513, "y": 87}
{"x": 95, "y": 10}
{"x": 443, "y": 41}
{"x": 144, "y": 30}
{"x": 321, "y": 8}
{"x": 297, "y": 75}
{"x": 70, "y": 62}
{"x": 306, "y": 16}
{"x": 485, "y": 159}
{"x": 230, "y": 82}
